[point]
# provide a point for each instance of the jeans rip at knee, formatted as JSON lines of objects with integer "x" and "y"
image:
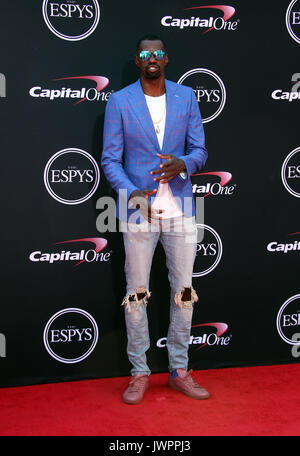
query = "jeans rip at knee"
{"x": 186, "y": 298}
{"x": 137, "y": 298}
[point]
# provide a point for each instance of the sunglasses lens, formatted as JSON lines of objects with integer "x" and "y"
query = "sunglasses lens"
{"x": 159, "y": 55}
{"x": 145, "y": 55}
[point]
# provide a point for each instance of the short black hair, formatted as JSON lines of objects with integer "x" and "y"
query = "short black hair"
{"x": 150, "y": 37}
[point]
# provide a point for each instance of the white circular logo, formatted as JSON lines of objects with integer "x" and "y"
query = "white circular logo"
{"x": 288, "y": 320}
{"x": 290, "y": 172}
{"x": 209, "y": 251}
{"x": 71, "y": 20}
{"x": 70, "y": 335}
{"x": 71, "y": 176}
{"x": 292, "y": 20}
{"x": 209, "y": 90}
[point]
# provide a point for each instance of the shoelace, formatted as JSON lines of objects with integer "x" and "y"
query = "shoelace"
{"x": 190, "y": 379}
{"x": 136, "y": 383}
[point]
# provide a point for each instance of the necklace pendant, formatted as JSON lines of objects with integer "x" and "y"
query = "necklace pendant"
{"x": 157, "y": 129}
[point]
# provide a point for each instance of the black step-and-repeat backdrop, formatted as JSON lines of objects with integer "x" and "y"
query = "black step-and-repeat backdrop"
{"x": 62, "y": 279}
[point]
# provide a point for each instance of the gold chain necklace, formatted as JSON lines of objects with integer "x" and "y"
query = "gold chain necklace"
{"x": 156, "y": 124}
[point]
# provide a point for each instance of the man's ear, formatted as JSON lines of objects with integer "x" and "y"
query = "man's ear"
{"x": 136, "y": 60}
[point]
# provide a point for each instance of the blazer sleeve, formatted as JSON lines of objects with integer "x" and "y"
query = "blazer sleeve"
{"x": 113, "y": 149}
{"x": 196, "y": 153}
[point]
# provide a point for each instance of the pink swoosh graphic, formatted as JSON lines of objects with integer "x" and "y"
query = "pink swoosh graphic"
{"x": 101, "y": 83}
{"x": 228, "y": 11}
{"x": 100, "y": 244}
{"x": 224, "y": 176}
{"x": 221, "y": 329}
{"x": 292, "y": 234}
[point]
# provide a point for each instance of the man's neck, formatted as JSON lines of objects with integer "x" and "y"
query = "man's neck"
{"x": 153, "y": 87}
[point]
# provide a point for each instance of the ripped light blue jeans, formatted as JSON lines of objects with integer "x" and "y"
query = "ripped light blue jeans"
{"x": 178, "y": 237}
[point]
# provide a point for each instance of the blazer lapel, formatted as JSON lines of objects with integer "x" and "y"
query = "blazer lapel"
{"x": 139, "y": 106}
{"x": 171, "y": 101}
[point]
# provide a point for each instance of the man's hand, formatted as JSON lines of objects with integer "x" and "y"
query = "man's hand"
{"x": 139, "y": 200}
{"x": 170, "y": 169}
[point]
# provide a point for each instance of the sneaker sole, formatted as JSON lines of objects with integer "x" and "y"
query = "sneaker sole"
{"x": 132, "y": 402}
{"x": 187, "y": 393}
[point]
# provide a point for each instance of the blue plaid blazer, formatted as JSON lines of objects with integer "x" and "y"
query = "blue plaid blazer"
{"x": 130, "y": 143}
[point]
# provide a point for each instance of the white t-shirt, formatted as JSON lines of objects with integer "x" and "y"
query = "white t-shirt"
{"x": 164, "y": 198}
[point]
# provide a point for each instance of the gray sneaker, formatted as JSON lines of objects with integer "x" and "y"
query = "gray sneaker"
{"x": 136, "y": 389}
{"x": 187, "y": 385}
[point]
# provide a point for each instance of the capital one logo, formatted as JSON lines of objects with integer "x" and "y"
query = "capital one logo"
{"x": 203, "y": 188}
{"x": 71, "y": 176}
{"x": 288, "y": 320}
{"x": 209, "y": 90}
{"x": 80, "y": 94}
{"x": 293, "y": 94}
{"x": 215, "y": 21}
{"x": 290, "y": 172}
{"x": 209, "y": 251}
{"x": 70, "y": 335}
{"x": 292, "y": 20}
{"x": 206, "y": 334}
{"x": 80, "y": 255}
{"x": 285, "y": 247}
{"x": 71, "y": 20}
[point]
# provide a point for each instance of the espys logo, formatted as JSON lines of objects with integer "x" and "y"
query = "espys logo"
{"x": 203, "y": 188}
{"x": 293, "y": 94}
{"x": 292, "y": 20}
{"x": 285, "y": 247}
{"x": 80, "y": 256}
{"x": 290, "y": 172}
{"x": 212, "y": 22}
{"x": 288, "y": 320}
{"x": 79, "y": 94}
{"x": 71, "y": 20}
{"x": 209, "y": 90}
{"x": 70, "y": 335}
{"x": 71, "y": 176}
{"x": 209, "y": 251}
{"x": 203, "y": 336}
{"x": 2, "y": 86}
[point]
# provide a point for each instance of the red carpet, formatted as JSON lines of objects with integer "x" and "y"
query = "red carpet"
{"x": 247, "y": 401}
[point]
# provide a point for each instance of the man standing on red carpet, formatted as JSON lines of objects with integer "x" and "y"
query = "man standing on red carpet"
{"x": 153, "y": 141}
